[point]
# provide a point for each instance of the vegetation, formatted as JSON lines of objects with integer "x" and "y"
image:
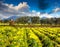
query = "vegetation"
{"x": 29, "y": 37}
{"x": 34, "y": 20}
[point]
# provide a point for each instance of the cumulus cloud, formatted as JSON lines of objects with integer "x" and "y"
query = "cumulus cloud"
{"x": 11, "y": 10}
{"x": 22, "y": 9}
{"x": 46, "y": 15}
{"x": 2, "y": 6}
{"x": 56, "y": 10}
{"x": 35, "y": 13}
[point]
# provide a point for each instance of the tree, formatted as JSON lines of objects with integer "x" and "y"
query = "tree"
{"x": 35, "y": 19}
{"x": 58, "y": 20}
{"x": 6, "y": 21}
{"x": 23, "y": 20}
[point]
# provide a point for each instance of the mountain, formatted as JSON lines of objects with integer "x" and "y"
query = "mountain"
{"x": 43, "y": 18}
{"x": 12, "y": 17}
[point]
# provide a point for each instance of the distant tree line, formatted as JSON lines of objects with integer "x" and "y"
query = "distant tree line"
{"x": 29, "y": 20}
{"x": 34, "y": 20}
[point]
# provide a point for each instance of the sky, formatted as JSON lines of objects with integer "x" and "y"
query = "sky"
{"x": 41, "y": 8}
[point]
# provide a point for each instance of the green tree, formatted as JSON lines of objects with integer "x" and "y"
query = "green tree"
{"x": 23, "y": 20}
{"x": 35, "y": 19}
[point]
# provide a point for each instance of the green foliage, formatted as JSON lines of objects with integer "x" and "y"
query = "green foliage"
{"x": 29, "y": 37}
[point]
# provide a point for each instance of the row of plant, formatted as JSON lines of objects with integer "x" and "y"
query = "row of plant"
{"x": 46, "y": 38}
{"x": 29, "y": 37}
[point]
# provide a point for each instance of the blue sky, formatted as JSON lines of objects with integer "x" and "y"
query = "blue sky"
{"x": 38, "y": 5}
{"x": 32, "y": 3}
{"x": 30, "y": 7}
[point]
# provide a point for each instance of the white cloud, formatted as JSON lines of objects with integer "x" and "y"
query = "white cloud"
{"x": 56, "y": 10}
{"x": 57, "y": 15}
{"x": 33, "y": 11}
{"x": 19, "y": 6}
{"x": 38, "y": 13}
{"x": 46, "y": 15}
{"x": 20, "y": 9}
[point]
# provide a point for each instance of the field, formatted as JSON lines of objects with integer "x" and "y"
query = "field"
{"x": 29, "y": 36}
{"x": 31, "y": 25}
